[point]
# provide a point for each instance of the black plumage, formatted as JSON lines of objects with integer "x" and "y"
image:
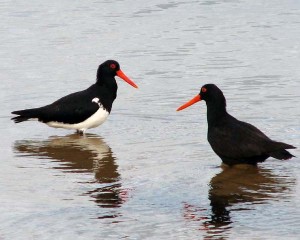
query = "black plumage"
{"x": 232, "y": 140}
{"x": 71, "y": 109}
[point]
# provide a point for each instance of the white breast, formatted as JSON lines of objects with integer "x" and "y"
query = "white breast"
{"x": 93, "y": 121}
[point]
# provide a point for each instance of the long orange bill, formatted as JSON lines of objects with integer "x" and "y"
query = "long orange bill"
{"x": 125, "y": 78}
{"x": 189, "y": 103}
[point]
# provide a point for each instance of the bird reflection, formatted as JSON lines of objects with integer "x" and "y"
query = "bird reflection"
{"x": 236, "y": 189}
{"x": 82, "y": 154}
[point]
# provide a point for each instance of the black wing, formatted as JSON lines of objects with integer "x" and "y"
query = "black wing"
{"x": 236, "y": 139}
{"x": 73, "y": 108}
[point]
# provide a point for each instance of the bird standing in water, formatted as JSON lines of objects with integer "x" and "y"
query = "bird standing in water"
{"x": 81, "y": 110}
{"x": 234, "y": 141}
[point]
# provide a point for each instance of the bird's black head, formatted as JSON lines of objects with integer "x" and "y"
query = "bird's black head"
{"x": 209, "y": 93}
{"x": 108, "y": 70}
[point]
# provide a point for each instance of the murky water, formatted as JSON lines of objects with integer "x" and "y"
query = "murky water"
{"x": 148, "y": 172}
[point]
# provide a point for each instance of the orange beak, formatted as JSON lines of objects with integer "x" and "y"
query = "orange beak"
{"x": 125, "y": 78}
{"x": 189, "y": 103}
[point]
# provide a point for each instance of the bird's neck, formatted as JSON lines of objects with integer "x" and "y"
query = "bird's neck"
{"x": 109, "y": 82}
{"x": 216, "y": 112}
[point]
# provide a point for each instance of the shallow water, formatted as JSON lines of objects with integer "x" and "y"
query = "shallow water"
{"x": 148, "y": 172}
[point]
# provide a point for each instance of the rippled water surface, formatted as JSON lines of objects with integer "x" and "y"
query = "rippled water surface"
{"x": 148, "y": 172}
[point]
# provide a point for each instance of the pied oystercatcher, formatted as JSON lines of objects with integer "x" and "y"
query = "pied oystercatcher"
{"x": 232, "y": 140}
{"x": 81, "y": 110}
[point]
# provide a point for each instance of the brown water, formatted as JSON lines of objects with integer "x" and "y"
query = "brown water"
{"x": 148, "y": 172}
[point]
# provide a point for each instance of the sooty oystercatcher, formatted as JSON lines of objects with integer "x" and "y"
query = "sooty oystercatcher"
{"x": 81, "y": 110}
{"x": 232, "y": 140}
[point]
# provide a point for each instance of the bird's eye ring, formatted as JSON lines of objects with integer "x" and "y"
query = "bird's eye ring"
{"x": 112, "y": 66}
{"x": 203, "y": 89}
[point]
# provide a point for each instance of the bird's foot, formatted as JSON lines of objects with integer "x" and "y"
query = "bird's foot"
{"x": 80, "y": 131}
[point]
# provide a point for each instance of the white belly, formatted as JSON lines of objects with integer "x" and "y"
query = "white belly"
{"x": 93, "y": 121}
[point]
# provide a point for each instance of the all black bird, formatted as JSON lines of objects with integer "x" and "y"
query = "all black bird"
{"x": 232, "y": 140}
{"x": 81, "y": 110}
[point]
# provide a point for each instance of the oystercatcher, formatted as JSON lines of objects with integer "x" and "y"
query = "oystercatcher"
{"x": 232, "y": 140}
{"x": 81, "y": 110}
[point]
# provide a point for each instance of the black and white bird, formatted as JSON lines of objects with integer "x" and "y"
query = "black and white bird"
{"x": 81, "y": 110}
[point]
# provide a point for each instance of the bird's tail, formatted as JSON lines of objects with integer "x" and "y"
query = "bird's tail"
{"x": 281, "y": 153}
{"x": 24, "y": 115}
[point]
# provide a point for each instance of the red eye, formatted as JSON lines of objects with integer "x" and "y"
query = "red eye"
{"x": 203, "y": 89}
{"x": 113, "y": 66}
